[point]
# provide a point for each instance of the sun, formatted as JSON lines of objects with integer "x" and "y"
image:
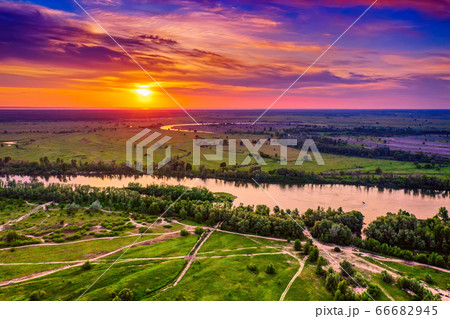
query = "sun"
{"x": 143, "y": 92}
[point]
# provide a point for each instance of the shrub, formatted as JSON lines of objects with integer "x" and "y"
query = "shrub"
{"x": 167, "y": 226}
{"x": 37, "y": 295}
{"x": 12, "y": 249}
{"x": 86, "y": 266}
{"x": 297, "y": 245}
{"x": 270, "y": 269}
{"x": 337, "y": 249}
{"x": 184, "y": 232}
{"x": 199, "y": 230}
{"x": 429, "y": 279}
{"x": 313, "y": 254}
{"x": 252, "y": 267}
{"x": 125, "y": 295}
{"x": 347, "y": 268}
{"x": 387, "y": 277}
{"x": 373, "y": 290}
{"x": 306, "y": 248}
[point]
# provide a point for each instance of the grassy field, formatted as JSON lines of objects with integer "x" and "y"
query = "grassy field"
{"x": 89, "y": 141}
{"x": 178, "y": 246}
{"x": 66, "y": 252}
{"x": 142, "y": 277}
{"x": 8, "y": 272}
{"x": 309, "y": 286}
{"x": 229, "y": 279}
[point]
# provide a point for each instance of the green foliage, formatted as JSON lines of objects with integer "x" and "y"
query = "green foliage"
{"x": 270, "y": 269}
{"x": 347, "y": 268}
{"x": 387, "y": 277}
{"x": 124, "y": 295}
{"x": 330, "y": 232}
{"x": 429, "y": 279}
{"x": 406, "y": 231}
{"x": 313, "y": 254}
{"x": 297, "y": 245}
{"x": 337, "y": 249}
{"x": 37, "y": 295}
{"x": 252, "y": 267}
{"x": 198, "y": 230}
{"x": 184, "y": 232}
{"x": 87, "y": 265}
{"x": 414, "y": 285}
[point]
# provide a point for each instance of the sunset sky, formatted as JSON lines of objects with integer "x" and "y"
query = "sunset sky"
{"x": 225, "y": 54}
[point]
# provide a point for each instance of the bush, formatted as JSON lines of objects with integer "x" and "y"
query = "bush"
{"x": 373, "y": 290}
{"x": 313, "y": 254}
{"x": 252, "y": 267}
{"x": 387, "y": 277}
{"x": 199, "y": 230}
{"x": 347, "y": 268}
{"x": 297, "y": 245}
{"x": 337, "y": 249}
{"x": 429, "y": 279}
{"x": 270, "y": 269}
{"x": 37, "y": 295}
{"x": 87, "y": 265}
{"x": 124, "y": 295}
{"x": 306, "y": 248}
{"x": 167, "y": 226}
{"x": 184, "y": 232}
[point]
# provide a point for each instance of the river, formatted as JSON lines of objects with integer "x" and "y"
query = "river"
{"x": 371, "y": 201}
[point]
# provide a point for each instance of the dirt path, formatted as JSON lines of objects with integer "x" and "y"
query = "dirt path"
{"x": 299, "y": 271}
{"x": 192, "y": 255}
{"x": 80, "y": 262}
{"x": 90, "y": 239}
{"x": 31, "y": 212}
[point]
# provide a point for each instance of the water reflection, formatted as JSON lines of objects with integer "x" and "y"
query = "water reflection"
{"x": 371, "y": 201}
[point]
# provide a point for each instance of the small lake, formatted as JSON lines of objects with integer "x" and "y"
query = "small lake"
{"x": 371, "y": 201}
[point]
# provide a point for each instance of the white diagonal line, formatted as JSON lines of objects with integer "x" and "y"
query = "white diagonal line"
{"x": 315, "y": 61}
{"x": 136, "y": 240}
{"x": 313, "y": 239}
{"x": 134, "y": 60}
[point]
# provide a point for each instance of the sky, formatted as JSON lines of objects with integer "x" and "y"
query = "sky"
{"x": 225, "y": 54}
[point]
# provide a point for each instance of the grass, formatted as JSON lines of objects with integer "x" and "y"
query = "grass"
{"x": 90, "y": 141}
{"x": 396, "y": 293}
{"x": 229, "y": 279}
{"x": 178, "y": 246}
{"x": 69, "y": 284}
{"x": 441, "y": 278}
{"x": 16, "y": 271}
{"x": 66, "y": 252}
{"x": 309, "y": 286}
{"x": 221, "y": 241}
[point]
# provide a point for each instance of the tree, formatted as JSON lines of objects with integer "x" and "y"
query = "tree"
{"x": 297, "y": 245}
{"x": 347, "y": 268}
{"x": 443, "y": 213}
{"x": 95, "y": 207}
{"x": 313, "y": 254}
{"x": 270, "y": 269}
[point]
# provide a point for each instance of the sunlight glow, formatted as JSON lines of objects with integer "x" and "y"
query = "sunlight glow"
{"x": 144, "y": 92}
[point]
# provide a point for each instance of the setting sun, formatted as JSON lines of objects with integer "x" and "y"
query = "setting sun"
{"x": 144, "y": 92}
